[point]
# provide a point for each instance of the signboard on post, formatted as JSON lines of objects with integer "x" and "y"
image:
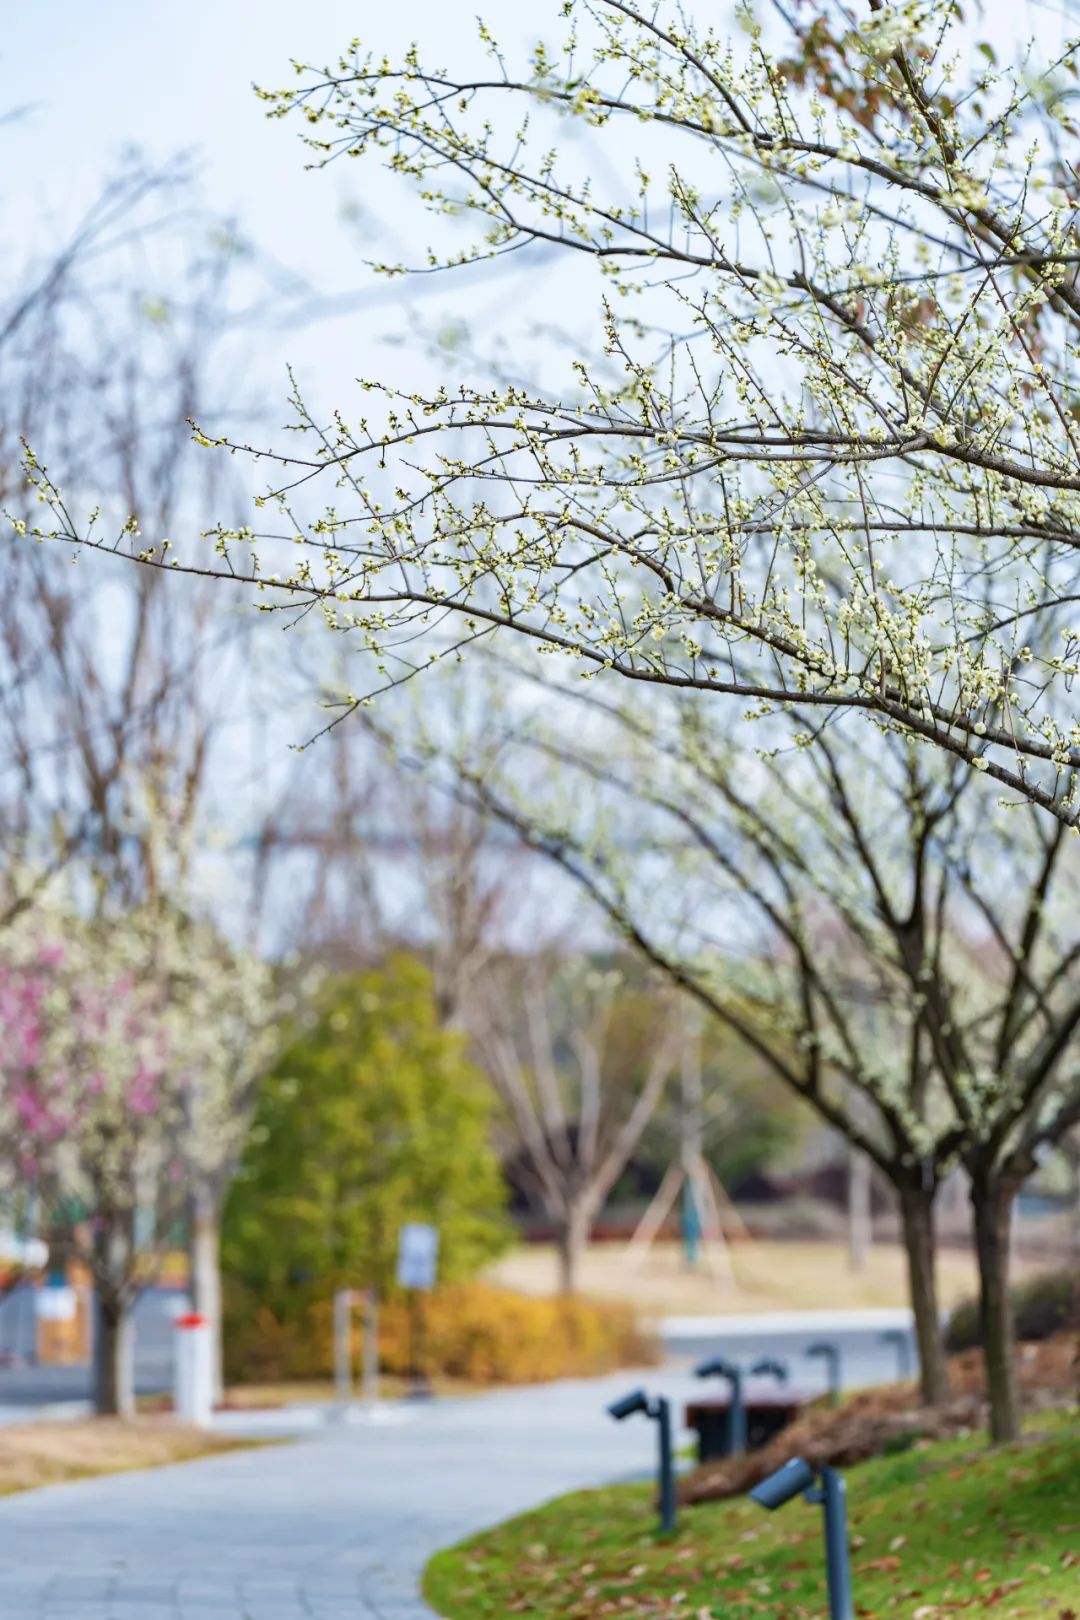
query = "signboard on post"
{"x": 418, "y": 1256}
{"x": 56, "y": 1303}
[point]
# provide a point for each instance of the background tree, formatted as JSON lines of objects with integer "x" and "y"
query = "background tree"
{"x": 580, "y": 1055}
{"x": 375, "y": 862}
{"x": 115, "y": 691}
{"x": 402, "y": 864}
{"x": 248, "y": 1014}
{"x": 372, "y": 1117}
{"x": 119, "y": 1089}
{"x": 842, "y": 912}
{"x": 796, "y": 982}
{"x": 107, "y": 712}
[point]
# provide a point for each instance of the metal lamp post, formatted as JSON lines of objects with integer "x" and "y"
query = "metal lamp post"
{"x": 717, "y": 1367}
{"x": 659, "y": 1409}
{"x": 902, "y": 1342}
{"x": 825, "y": 1488}
{"x": 830, "y": 1354}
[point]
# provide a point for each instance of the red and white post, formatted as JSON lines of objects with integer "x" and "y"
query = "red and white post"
{"x": 194, "y": 1371}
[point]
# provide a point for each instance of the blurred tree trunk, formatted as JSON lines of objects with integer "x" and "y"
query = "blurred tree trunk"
{"x": 112, "y": 1257}
{"x": 114, "y": 1369}
{"x": 917, "y": 1219}
{"x": 571, "y": 1243}
{"x": 992, "y": 1202}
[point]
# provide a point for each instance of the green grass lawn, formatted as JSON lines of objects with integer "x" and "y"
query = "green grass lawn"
{"x": 935, "y": 1531}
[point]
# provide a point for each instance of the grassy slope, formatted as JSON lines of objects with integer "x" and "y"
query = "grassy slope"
{"x": 934, "y": 1531}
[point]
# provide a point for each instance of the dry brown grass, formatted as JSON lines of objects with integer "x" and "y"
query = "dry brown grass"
{"x": 768, "y": 1275}
{"x": 33, "y": 1454}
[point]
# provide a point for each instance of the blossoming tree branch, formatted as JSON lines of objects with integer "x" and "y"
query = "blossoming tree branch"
{"x": 824, "y": 448}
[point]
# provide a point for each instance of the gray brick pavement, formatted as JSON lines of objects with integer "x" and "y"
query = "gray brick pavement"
{"x": 331, "y": 1526}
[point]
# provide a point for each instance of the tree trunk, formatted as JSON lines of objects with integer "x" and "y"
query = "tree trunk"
{"x": 204, "y": 1255}
{"x": 572, "y": 1240}
{"x": 917, "y": 1218}
{"x": 860, "y": 1213}
{"x": 1072, "y": 1161}
{"x": 114, "y": 1369}
{"x": 991, "y": 1204}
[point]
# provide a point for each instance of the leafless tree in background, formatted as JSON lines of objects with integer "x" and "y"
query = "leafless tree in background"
{"x": 581, "y": 1059}
{"x": 112, "y": 696}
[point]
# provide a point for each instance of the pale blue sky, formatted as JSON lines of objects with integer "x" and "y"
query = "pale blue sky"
{"x": 168, "y": 77}
{"x": 103, "y": 76}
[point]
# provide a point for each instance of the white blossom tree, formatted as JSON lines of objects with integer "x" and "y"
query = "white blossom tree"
{"x": 821, "y": 452}
{"x": 829, "y": 452}
{"x": 843, "y": 911}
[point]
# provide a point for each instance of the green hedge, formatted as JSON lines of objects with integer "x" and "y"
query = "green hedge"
{"x": 1043, "y": 1305}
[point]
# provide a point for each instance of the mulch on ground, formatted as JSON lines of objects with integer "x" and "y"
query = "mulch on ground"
{"x": 875, "y": 1422}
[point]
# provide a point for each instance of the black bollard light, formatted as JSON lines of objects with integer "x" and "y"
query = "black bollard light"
{"x": 659, "y": 1409}
{"x": 796, "y": 1478}
{"x": 902, "y": 1341}
{"x": 830, "y": 1354}
{"x": 717, "y": 1367}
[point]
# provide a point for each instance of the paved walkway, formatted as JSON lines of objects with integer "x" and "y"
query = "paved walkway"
{"x": 340, "y": 1522}
{"x": 335, "y": 1525}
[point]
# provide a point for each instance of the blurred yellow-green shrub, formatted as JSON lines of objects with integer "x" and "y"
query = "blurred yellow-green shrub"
{"x": 472, "y": 1332}
{"x": 373, "y": 1117}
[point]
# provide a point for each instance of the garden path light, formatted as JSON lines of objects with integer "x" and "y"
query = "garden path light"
{"x": 798, "y": 1477}
{"x": 717, "y": 1367}
{"x": 830, "y": 1354}
{"x": 902, "y": 1340}
{"x": 659, "y": 1409}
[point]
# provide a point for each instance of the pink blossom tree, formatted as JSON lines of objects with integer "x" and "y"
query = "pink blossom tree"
{"x": 120, "y": 1088}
